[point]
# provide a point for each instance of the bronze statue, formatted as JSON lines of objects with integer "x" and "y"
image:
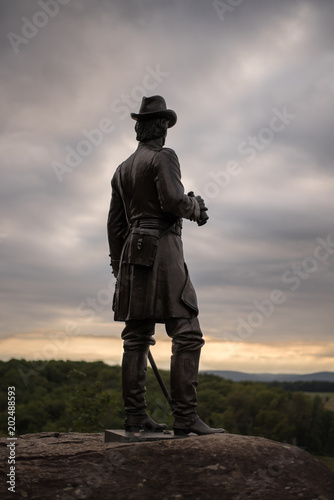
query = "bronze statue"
{"x": 153, "y": 285}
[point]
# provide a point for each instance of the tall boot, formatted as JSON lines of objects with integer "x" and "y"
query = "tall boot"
{"x": 184, "y": 382}
{"x": 134, "y": 368}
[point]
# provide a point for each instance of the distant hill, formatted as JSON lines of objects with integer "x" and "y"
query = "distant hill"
{"x": 272, "y": 377}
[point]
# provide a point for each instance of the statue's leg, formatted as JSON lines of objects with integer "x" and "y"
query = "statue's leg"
{"x": 187, "y": 341}
{"x": 137, "y": 337}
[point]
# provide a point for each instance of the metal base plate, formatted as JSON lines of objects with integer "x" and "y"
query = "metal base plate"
{"x": 120, "y": 436}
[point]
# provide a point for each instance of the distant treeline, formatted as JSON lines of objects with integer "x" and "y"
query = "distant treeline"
{"x": 64, "y": 396}
{"x": 304, "y": 386}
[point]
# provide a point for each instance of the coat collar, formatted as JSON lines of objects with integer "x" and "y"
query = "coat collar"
{"x": 154, "y": 144}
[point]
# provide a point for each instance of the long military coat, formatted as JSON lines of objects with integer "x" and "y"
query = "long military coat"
{"x": 148, "y": 186}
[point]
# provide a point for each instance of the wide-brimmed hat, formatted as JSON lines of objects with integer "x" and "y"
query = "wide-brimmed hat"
{"x": 155, "y": 107}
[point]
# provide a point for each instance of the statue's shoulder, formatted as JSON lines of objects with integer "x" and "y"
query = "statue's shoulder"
{"x": 168, "y": 150}
{"x": 167, "y": 153}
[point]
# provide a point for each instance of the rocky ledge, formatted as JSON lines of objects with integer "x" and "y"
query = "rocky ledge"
{"x": 225, "y": 467}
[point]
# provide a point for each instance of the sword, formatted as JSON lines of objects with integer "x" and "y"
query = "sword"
{"x": 159, "y": 379}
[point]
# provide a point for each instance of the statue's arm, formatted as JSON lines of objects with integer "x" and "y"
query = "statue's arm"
{"x": 167, "y": 177}
{"x": 117, "y": 226}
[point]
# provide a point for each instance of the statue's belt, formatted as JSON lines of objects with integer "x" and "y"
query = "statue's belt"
{"x": 159, "y": 224}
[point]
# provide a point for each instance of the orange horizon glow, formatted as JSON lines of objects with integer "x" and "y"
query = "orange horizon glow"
{"x": 252, "y": 357}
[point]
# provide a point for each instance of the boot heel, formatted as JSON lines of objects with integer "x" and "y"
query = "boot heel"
{"x": 181, "y": 432}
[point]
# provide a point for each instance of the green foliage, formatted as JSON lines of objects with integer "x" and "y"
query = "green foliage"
{"x": 304, "y": 386}
{"x": 89, "y": 403}
{"x": 62, "y": 396}
{"x": 68, "y": 396}
{"x": 327, "y": 398}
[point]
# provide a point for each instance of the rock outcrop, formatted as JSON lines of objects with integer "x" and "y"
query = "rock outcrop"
{"x": 225, "y": 467}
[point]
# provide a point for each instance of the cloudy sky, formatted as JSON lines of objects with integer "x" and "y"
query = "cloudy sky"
{"x": 252, "y": 84}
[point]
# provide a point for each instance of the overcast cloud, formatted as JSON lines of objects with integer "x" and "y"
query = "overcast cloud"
{"x": 252, "y": 85}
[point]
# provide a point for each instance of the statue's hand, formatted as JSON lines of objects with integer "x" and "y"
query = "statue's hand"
{"x": 203, "y": 209}
{"x": 201, "y": 203}
{"x": 114, "y": 266}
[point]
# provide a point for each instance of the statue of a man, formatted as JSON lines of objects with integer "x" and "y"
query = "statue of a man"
{"x": 153, "y": 286}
